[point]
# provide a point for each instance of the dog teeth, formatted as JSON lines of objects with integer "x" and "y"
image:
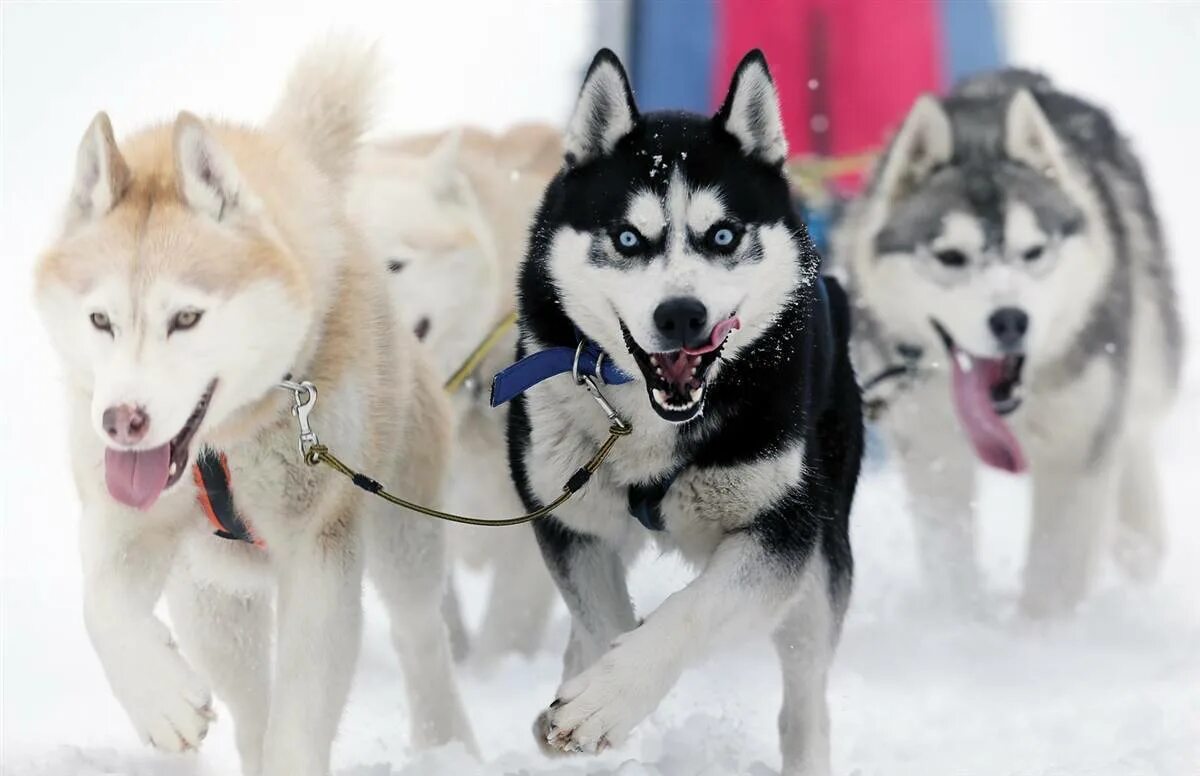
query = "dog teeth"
{"x": 658, "y": 371}
{"x": 174, "y": 468}
{"x": 964, "y": 361}
{"x": 654, "y": 360}
{"x": 660, "y": 396}
{"x": 696, "y": 393}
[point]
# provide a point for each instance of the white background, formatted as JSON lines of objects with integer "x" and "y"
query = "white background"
{"x": 1115, "y": 690}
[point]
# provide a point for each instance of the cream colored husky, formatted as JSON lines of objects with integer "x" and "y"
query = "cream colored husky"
{"x": 200, "y": 263}
{"x": 447, "y": 214}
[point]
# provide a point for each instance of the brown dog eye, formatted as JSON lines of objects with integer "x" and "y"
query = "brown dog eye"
{"x": 101, "y": 322}
{"x": 952, "y": 258}
{"x": 184, "y": 320}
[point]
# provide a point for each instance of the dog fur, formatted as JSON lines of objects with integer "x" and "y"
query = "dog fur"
{"x": 243, "y": 233}
{"x": 1043, "y": 208}
{"x": 448, "y": 214}
{"x": 764, "y": 461}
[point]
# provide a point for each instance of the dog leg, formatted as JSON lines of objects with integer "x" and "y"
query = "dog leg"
{"x": 590, "y": 574}
{"x": 407, "y": 565}
{"x": 740, "y": 590}
{"x": 805, "y": 642}
{"x": 520, "y": 600}
{"x": 940, "y": 476}
{"x": 319, "y": 614}
{"x": 1072, "y": 513}
{"x": 228, "y": 638}
{"x": 1141, "y": 534}
{"x": 124, "y": 568}
{"x": 456, "y": 627}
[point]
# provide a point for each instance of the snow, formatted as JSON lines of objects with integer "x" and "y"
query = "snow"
{"x": 1112, "y": 691}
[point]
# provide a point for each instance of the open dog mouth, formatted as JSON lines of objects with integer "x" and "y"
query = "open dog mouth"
{"x": 137, "y": 478}
{"x": 676, "y": 380}
{"x": 984, "y": 391}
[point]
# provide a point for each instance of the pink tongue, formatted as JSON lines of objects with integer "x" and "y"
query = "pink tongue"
{"x": 137, "y": 477}
{"x": 994, "y": 441}
{"x": 719, "y": 333}
{"x": 676, "y": 367}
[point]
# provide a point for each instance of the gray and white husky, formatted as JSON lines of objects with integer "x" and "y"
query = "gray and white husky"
{"x": 1007, "y": 250}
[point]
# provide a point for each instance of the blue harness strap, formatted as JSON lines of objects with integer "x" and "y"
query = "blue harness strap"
{"x": 514, "y": 380}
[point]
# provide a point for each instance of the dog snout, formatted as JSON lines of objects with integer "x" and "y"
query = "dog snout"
{"x": 1009, "y": 325}
{"x": 125, "y": 424}
{"x": 682, "y": 321}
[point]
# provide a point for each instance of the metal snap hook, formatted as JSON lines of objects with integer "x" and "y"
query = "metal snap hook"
{"x": 304, "y": 397}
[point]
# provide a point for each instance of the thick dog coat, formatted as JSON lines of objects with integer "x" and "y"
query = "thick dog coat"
{"x": 448, "y": 216}
{"x": 1008, "y": 249}
{"x": 668, "y": 240}
{"x": 200, "y": 263}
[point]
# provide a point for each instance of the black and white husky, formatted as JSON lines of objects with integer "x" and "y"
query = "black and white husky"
{"x": 668, "y": 243}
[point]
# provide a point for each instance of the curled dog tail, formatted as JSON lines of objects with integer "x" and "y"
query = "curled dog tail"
{"x": 328, "y": 101}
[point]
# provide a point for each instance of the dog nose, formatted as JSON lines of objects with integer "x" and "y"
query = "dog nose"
{"x": 683, "y": 320}
{"x": 125, "y": 424}
{"x": 1009, "y": 324}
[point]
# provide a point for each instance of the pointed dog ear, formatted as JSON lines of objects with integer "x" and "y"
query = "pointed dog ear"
{"x": 604, "y": 113}
{"x": 751, "y": 111}
{"x": 924, "y": 141}
{"x": 206, "y": 176}
{"x": 1029, "y": 137}
{"x": 101, "y": 175}
{"x": 444, "y": 174}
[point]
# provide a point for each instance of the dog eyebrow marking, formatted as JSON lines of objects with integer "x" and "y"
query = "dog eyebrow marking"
{"x": 960, "y": 231}
{"x": 645, "y": 212}
{"x": 705, "y": 207}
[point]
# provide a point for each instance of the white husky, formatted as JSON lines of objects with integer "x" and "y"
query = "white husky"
{"x": 447, "y": 214}
{"x": 201, "y": 262}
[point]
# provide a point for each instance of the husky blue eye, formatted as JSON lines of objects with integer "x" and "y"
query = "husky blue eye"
{"x": 723, "y": 238}
{"x": 628, "y": 241}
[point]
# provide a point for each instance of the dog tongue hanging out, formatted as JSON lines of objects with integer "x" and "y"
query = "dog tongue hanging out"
{"x": 1007, "y": 246}
{"x": 200, "y": 262}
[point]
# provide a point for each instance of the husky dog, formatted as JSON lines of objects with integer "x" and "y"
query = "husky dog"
{"x": 448, "y": 214}
{"x": 1008, "y": 249}
{"x": 200, "y": 263}
{"x": 662, "y": 234}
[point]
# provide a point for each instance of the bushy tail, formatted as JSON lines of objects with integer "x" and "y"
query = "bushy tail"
{"x": 328, "y": 101}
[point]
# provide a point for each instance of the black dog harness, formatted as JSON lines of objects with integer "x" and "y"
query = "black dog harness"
{"x": 211, "y": 473}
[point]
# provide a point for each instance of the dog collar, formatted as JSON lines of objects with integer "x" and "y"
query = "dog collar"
{"x": 585, "y": 359}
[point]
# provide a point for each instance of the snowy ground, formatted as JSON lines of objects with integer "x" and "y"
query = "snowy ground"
{"x": 1114, "y": 691}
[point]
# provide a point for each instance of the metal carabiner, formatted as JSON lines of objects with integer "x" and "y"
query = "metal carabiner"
{"x": 304, "y": 397}
{"x": 589, "y": 382}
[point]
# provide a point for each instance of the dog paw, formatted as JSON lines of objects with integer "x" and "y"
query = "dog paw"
{"x": 599, "y": 707}
{"x": 170, "y": 705}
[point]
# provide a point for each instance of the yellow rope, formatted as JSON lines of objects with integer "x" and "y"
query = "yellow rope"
{"x": 480, "y": 352}
{"x": 318, "y": 454}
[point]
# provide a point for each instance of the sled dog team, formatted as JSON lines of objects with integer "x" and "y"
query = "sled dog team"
{"x": 1004, "y": 273}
